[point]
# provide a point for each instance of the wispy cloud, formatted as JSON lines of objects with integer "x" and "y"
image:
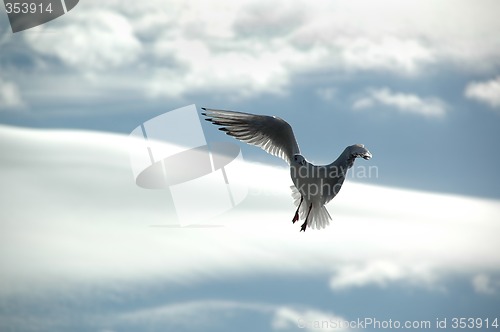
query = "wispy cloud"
{"x": 204, "y": 313}
{"x": 487, "y": 92}
{"x": 199, "y": 313}
{"x": 485, "y": 284}
{"x": 403, "y": 102}
{"x": 327, "y": 94}
{"x": 381, "y": 273}
{"x": 10, "y": 95}
{"x": 389, "y": 54}
{"x": 194, "y": 315}
{"x": 308, "y": 319}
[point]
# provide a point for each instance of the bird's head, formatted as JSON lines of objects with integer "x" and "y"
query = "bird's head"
{"x": 299, "y": 159}
{"x": 358, "y": 151}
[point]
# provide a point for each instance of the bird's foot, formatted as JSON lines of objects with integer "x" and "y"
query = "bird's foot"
{"x": 296, "y": 217}
{"x": 304, "y": 225}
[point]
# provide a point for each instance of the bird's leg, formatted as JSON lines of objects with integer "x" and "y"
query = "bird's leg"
{"x": 304, "y": 225}
{"x": 296, "y": 217}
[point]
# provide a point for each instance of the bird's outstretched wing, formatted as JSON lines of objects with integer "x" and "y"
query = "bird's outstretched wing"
{"x": 271, "y": 133}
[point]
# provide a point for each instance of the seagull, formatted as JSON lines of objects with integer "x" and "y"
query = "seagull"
{"x": 313, "y": 186}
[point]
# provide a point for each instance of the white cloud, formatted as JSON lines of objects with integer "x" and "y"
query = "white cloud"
{"x": 91, "y": 40}
{"x": 88, "y": 222}
{"x": 206, "y": 313}
{"x": 191, "y": 314}
{"x": 306, "y": 319}
{"x": 389, "y": 54}
{"x": 483, "y": 284}
{"x": 403, "y": 102}
{"x": 10, "y": 95}
{"x": 487, "y": 92}
{"x": 380, "y": 273}
{"x": 327, "y": 94}
{"x": 242, "y": 49}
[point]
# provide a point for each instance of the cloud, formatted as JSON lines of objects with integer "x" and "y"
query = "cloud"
{"x": 209, "y": 312}
{"x": 74, "y": 224}
{"x": 403, "y": 102}
{"x": 191, "y": 314}
{"x": 196, "y": 314}
{"x": 259, "y": 19}
{"x": 487, "y": 92}
{"x": 389, "y": 54}
{"x": 10, "y": 95}
{"x": 483, "y": 284}
{"x": 288, "y": 318}
{"x": 327, "y": 94}
{"x": 206, "y": 313}
{"x": 380, "y": 273}
{"x": 243, "y": 49}
{"x": 95, "y": 39}
{"x": 83, "y": 203}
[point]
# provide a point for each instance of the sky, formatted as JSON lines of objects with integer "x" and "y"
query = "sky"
{"x": 84, "y": 248}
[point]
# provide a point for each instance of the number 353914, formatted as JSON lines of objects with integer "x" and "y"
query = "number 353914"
{"x": 27, "y": 8}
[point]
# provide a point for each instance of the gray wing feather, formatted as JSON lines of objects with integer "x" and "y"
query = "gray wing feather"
{"x": 271, "y": 133}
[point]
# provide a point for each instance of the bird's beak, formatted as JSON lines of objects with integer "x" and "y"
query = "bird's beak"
{"x": 367, "y": 155}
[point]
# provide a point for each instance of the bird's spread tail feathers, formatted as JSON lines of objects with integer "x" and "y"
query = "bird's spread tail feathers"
{"x": 318, "y": 218}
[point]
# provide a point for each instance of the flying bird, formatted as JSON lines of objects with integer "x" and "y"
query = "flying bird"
{"x": 313, "y": 186}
